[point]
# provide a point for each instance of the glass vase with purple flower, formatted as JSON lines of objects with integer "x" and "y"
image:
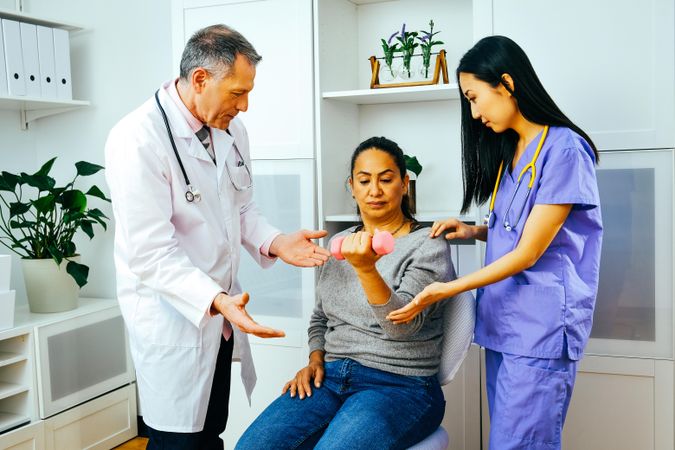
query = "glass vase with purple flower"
{"x": 426, "y": 44}
{"x": 408, "y": 46}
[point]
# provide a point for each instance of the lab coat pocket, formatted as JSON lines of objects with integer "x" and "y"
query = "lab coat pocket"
{"x": 169, "y": 328}
{"x": 531, "y": 404}
{"x": 535, "y": 314}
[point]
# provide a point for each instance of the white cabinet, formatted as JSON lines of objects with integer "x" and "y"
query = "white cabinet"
{"x": 99, "y": 424}
{"x": 85, "y": 389}
{"x": 281, "y": 296}
{"x": 279, "y": 119}
{"x": 30, "y": 437}
{"x": 624, "y": 395}
{"x": 634, "y": 309}
{"x": 623, "y": 398}
{"x": 79, "y": 358}
{"x": 621, "y": 404}
{"x": 608, "y": 64}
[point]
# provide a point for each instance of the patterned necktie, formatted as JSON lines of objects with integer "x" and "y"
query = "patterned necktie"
{"x": 204, "y": 137}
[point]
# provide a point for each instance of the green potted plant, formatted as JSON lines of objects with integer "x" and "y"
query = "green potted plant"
{"x": 414, "y": 168}
{"x": 40, "y": 228}
{"x": 388, "y": 72}
{"x": 426, "y": 44}
{"x": 408, "y": 46}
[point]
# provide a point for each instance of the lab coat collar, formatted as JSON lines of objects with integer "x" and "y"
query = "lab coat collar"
{"x": 179, "y": 126}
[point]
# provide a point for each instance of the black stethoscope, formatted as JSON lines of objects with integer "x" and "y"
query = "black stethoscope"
{"x": 192, "y": 194}
{"x": 490, "y": 217}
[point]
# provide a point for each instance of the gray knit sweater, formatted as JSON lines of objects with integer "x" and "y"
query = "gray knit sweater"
{"x": 345, "y": 325}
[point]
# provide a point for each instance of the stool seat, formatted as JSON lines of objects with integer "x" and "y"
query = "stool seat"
{"x": 438, "y": 440}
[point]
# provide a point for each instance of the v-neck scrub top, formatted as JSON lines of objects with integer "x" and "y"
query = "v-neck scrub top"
{"x": 532, "y": 312}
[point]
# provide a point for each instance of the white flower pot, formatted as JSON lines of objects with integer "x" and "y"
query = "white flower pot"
{"x": 5, "y": 271}
{"x": 48, "y": 286}
{"x": 7, "y": 302}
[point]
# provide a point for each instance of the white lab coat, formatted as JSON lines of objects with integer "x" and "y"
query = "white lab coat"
{"x": 173, "y": 257}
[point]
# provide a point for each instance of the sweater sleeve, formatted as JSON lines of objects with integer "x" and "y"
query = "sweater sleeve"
{"x": 317, "y": 323}
{"x": 429, "y": 263}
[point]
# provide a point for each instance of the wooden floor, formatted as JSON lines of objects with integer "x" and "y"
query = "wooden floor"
{"x": 138, "y": 443}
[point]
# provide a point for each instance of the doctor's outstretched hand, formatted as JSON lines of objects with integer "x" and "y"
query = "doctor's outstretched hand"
{"x": 298, "y": 249}
{"x": 233, "y": 308}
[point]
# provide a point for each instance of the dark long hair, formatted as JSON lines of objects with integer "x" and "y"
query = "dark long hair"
{"x": 482, "y": 148}
{"x": 392, "y": 148}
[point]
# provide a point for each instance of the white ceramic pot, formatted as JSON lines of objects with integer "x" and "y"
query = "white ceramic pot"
{"x": 48, "y": 286}
{"x": 7, "y": 302}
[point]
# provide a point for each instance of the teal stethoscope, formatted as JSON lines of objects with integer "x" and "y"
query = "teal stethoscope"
{"x": 192, "y": 194}
{"x": 490, "y": 217}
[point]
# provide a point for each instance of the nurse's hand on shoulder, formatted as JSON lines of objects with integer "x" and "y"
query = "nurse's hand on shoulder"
{"x": 297, "y": 248}
{"x": 233, "y": 308}
{"x": 302, "y": 382}
{"x": 429, "y": 295}
{"x": 457, "y": 229}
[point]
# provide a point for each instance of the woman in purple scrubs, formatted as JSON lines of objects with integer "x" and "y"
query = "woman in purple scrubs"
{"x": 537, "y": 290}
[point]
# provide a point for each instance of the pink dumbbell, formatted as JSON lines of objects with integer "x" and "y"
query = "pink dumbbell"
{"x": 383, "y": 244}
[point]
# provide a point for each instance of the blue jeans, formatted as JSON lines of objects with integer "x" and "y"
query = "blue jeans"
{"x": 356, "y": 407}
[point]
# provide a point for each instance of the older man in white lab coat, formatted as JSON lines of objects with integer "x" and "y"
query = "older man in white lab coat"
{"x": 182, "y": 202}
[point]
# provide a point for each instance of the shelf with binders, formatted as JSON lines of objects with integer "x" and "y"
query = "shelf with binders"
{"x": 37, "y": 20}
{"x": 32, "y": 108}
{"x": 35, "y": 66}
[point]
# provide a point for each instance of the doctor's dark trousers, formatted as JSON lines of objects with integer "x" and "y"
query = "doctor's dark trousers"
{"x": 216, "y": 414}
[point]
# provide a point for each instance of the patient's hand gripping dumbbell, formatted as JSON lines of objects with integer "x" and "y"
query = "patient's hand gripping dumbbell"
{"x": 383, "y": 244}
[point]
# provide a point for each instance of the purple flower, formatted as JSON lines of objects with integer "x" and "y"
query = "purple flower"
{"x": 392, "y": 37}
{"x": 425, "y": 38}
{"x": 403, "y": 31}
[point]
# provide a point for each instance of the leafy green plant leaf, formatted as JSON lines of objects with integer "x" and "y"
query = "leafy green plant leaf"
{"x": 8, "y": 181}
{"x": 79, "y": 272}
{"x": 41, "y": 182}
{"x": 85, "y": 168}
{"x": 18, "y": 208}
{"x": 94, "y": 191}
{"x": 55, "y": 253}
{"x": 412, "y": 164}
{"x": 21, "y": 224}
{"x": 74, "y": 200}
{"x": 87, "y": 228}
{"x": 46, "y": 167}
{"x": 44, "y": 204}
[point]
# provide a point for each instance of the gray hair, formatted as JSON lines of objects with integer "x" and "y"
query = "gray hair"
{"x": 215, "y": 48}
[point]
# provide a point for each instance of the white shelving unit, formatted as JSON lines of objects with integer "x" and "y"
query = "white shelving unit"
{"x": 17, "y": 405}
{"x": 103, "y": 418}
{"x": 37, "y": 20}
{"x": 31, "y": 109}
{"x": 423, "y": 120}
{"x": 396, "y": 95}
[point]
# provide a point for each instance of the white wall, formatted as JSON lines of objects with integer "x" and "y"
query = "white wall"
{"x": 118, "y": 61}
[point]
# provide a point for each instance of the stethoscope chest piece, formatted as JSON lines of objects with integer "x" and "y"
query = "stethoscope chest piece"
{"x": 193, "y": 195}
{"x": 489, "y": 219}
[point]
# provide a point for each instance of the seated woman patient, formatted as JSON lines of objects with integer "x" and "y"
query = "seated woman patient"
{"x": 369, "y": 384}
